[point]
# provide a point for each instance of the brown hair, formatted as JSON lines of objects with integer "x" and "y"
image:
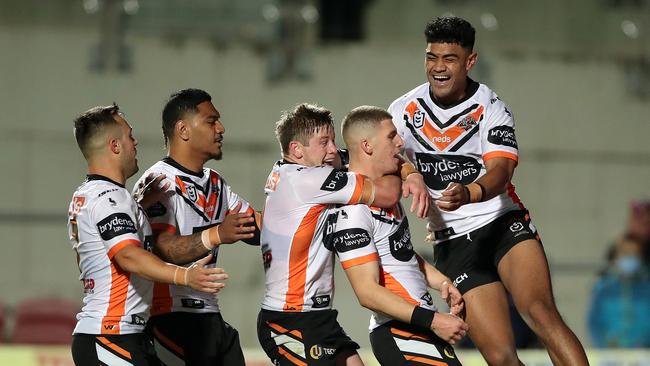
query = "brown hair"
{"x": 300, "y": 123}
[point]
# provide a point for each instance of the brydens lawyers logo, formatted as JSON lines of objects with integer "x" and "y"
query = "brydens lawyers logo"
{"x": 115, "y": 225}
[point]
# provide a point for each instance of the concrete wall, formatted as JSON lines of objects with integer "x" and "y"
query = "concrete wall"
{"x": 583, "y": 144}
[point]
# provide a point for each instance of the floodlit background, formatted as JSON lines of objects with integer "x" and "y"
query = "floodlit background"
{"x": 575, "y": 74}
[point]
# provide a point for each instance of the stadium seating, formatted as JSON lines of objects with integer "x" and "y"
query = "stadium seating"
{"x": 44, "y": 321}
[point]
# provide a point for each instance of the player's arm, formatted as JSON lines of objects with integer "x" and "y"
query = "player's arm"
{"x": 364, "y": 279}
{"x": 179, "y": 249}
{"x": 413, "y": 185}
{"x": 438, "y": 281}
{"x": 134, "y": 259}
{"x": 498, "y": 174}
{"x": 257, "y": 225}
{"x": 383, "y": 192}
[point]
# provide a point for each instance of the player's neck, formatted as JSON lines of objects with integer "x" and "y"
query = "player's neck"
{"x": 98, "y": 168}
{"x": 364, "y": 168}
{"x": 186, "y": 159}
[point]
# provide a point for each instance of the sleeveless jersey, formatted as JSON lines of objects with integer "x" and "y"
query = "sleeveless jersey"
{"x": 103, "y": 219}
{"x": 298, "y": 268}
{"x": 200, "y": 202}
{"x": 452, "y": 145}
{"x": 364, "y": 234}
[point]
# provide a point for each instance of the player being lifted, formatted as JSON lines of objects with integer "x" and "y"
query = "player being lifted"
{"x": 297, "y": 325}
{"x": 201, "y": 212}
{"x": 109, "y": 233}
{"x": 461, "y": 137}
{"x": 388, "y": 277}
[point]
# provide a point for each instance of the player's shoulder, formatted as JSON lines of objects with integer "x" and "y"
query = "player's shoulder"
{"x": 485, "y": 95}
{"x": 101, "y": 192}
{"x": 350, "y": 215}
{"x": 416, "y": 92}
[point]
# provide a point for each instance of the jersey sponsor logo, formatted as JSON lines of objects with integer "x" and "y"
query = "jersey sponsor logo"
{"x": 460, "y": 279}
{"x": 115, "y": 225}
{"x": 444, "y": 233}
{"x": 138, "y": 320}
{"x": 89, "y": 285}
{"x": 517, "y": 226}
{"x": 193, "y": 303}
{"x": 439, "y": 170}
{"x": 267, "y": 256}
{"x": 503, "y": 135}
{"x": 330, "y": 228}
{"x": 335, "y": 181}
{"x": 155, "y": 210}
{"x": 350, "y": 239}
{"x": 317, "y": 351}
{"x": 191, "y": 192}
{"x": 106, "y": 191}
{"x": 320, "y": 301}
{"x": 400, "y": 243}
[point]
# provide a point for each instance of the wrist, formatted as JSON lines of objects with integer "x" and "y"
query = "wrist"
{"x": 406, "y": 170}
{"x": 210, "y": 237}
{"x": 422, "y": 317}
{"x": 475, "y": 192}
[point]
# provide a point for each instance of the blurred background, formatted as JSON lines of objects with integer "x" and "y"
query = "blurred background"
{"x": 575, "y": 74}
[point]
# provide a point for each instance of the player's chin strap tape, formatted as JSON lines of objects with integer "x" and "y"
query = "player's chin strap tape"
{"x": 422, "y": 317}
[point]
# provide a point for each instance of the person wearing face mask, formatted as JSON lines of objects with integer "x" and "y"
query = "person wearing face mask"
{"x": 623, "y": 290}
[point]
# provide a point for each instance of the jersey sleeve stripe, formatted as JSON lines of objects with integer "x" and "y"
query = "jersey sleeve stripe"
{"x": 358, "y": 189}
{"x": 162, "y": 227}
{"x": 115, "y": 347}
{"x": 500, "y": 154}
{"x": 298, "y": 258}
{"x": 372, "y": 257}
{"x": 396, "y": 287}
{"x": 121, "y": 245}
{"x": 117, "y": 300}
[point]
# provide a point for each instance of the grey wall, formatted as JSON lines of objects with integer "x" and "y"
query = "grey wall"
{"x": 583, "y": 144}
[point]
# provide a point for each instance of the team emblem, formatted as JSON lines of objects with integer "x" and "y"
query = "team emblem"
{"x": 418, "y": 119}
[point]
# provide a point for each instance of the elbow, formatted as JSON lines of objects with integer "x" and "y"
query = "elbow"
{"x": 366, "y": 301}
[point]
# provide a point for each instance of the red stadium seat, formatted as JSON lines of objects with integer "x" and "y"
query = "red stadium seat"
{"x": 45, "y": 321}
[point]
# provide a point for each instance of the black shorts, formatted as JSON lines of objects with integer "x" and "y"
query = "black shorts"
{"x": 400, "y": 344}
{"x": 128, "y": 349}
{"x": 195, "y": 339}
{"x": 472, "y": 260}
{"x": 312, "y": 338}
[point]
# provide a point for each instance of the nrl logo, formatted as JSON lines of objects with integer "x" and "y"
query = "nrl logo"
{"x": 191, "y": 192}
{"x": 418, "y": 119}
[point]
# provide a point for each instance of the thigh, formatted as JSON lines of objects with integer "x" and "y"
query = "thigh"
{"x": 124, "y": 350}
{"x": 230, "y": 352}
{"x": 396, "y": 343}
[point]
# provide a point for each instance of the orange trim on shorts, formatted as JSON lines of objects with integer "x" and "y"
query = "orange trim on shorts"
{"x": 298, "y": 258}
{"x": 500, "y": 154}
{"x": 426, "y": 361}
{"x": 168, "y": 342}
{"x": 115, "y": 347}
{"x": 116, "y": 301}
{"x": 280, "y": 329}
{"x": 162, "y": 227}
{"x": 406, "y": 334}
{"x": 391, "y": 283}
{"x": 372, "y": 257}
{"x": 291, "y": 357}
{"x": 358, "y": 189}
{"x": 121, "y": 245}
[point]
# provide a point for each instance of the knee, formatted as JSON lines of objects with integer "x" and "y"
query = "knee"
{"x": 541, "y": 314}
{"x": 501, "y": 356}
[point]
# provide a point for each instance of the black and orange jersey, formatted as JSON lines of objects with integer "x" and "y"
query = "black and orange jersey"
{"x": 452, "y": 144}
{"x": 201, "y": 200}
{"x": 103, "y": 219}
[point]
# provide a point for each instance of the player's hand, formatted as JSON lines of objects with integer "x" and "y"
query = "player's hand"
{"x": 414, "y": 185}
{"x": 153, "y": 189}
{"x": 205, "y": 279}
{"x": 449, "y": 327}
{"x": 454, "y": 196}
{"x": 452, "y": 297}
{"x": 236, "y": 226}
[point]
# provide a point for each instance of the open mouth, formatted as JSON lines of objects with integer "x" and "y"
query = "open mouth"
{"x": 441, "y": 79}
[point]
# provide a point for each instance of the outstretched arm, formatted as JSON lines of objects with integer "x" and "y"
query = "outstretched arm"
{"x": 438, "y": 281}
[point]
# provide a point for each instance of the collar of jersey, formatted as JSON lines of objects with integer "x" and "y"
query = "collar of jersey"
{"x": 178, "y": 166}
{"x": 470, "y": 90}
{"x": 90, "y": 177}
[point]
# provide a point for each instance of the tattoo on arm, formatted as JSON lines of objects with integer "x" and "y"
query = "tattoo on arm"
{"x": 180, "y": 249}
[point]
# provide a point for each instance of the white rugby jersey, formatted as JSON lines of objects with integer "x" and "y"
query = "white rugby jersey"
{"x": 365, "y": 234}
{"x": 103, "y": 219}
{"x": 201, "y": 201}
{"x": 298, "y": 268}
{"x": 451, "y": 145}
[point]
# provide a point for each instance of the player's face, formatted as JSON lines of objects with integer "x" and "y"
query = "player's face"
{"x": 447, "y": 66}
{"x": 207, "y": 131}
{"x": 387, "y": 144}
{"x": 129, "y": 151}
{"x": 321, "y": 149}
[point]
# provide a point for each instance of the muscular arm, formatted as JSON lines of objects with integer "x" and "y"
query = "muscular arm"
{"x": 178, "y": 249}
{"x": 494, "y": 182}
{"x": 387, "y": 190}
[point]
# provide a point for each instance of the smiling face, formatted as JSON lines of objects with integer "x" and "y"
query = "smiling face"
{"x": 320, "y": 148}
{"x": 447, "y": 66}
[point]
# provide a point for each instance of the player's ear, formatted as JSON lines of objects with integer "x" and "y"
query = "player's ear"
{"x": 366, "y": 146}
{"x": 114, "y": 145}
{"x": 181, "y": 130}
{"x": 471, "y": 60}
{"x": 296, "y": 149}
